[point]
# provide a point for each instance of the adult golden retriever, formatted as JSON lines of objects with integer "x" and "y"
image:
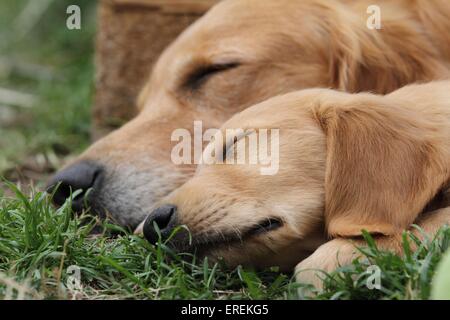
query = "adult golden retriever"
{"x": 348, "y": 162}
{"x": 241, "y": 53}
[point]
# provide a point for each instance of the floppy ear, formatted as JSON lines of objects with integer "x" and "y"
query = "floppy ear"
{"x": 383, "y": 167}
{"x": 370, "y": 60}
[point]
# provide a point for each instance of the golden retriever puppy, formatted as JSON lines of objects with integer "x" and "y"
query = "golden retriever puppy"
{"x": 347, "y": 162}
{"x": 241, "y": 53}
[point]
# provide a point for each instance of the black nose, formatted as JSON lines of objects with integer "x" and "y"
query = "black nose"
{"x": 80, "y": 176}
{"x": 165, "y": 219}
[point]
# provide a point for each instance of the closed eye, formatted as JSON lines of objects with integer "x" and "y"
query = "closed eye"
{"x": 196, "y": 79}
{"x": 228, "y": 146}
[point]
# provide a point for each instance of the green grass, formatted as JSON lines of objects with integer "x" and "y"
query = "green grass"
{"x": 39, "y": 244}
{"x": 58, "y": 123}
{"x": 407, "y": 277}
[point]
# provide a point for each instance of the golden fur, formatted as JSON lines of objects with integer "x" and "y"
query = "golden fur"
{"x": 347, "y": 162}
{"x": 269, "y": 48}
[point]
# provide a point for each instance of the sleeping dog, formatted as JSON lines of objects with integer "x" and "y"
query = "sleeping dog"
{"x": 241, "y": 53}
{"x": 348, "y": 162}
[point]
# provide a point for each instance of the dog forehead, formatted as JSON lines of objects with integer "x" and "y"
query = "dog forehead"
{"x": 290, "y": 110}
{"x": 230, "y": 22}
{"x": 247, "y": 9}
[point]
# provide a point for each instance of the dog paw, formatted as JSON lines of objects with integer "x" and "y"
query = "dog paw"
{"x": 326, "y": 259}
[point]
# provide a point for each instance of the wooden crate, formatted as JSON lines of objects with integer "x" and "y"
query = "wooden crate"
{"x": 131, "y": 35}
